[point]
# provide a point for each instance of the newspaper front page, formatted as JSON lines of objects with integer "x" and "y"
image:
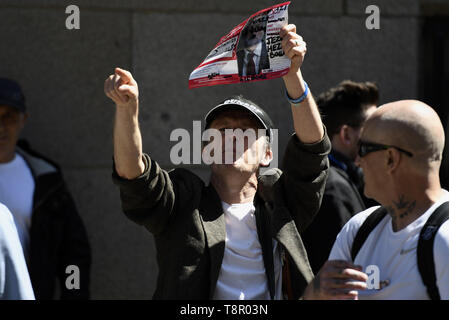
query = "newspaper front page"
{"x": 252, "y": 51}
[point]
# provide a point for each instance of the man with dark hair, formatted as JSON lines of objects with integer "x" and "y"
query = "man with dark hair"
{"x": 238, "y": 237}
{"x": 51, "y": 232}
{"x": 345, "y": 109}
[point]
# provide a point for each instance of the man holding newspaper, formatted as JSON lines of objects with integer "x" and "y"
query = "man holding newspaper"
{"x": 238, "y": 237}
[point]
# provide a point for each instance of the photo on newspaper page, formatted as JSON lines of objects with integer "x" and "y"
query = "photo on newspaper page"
{"x": 252, "y": 51}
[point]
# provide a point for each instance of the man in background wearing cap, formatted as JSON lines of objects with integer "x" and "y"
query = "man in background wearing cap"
{"x": 238, "y": 237}
{"x": 50, "y": 230}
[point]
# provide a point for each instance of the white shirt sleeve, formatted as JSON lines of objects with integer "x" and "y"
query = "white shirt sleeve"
{"x": 441, "y": 258}
{"x": 15, "y": 283}
{"x": 341, "y": 249}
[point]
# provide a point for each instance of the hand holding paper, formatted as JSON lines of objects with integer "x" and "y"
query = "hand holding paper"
{"x": 294, "y": 46}
{"x": 251, "y": 51}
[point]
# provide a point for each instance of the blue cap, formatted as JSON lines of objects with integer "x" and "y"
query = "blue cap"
{"x": 11, "y": 94}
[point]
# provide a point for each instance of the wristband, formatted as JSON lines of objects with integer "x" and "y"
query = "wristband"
{"x": 296, "y": 102}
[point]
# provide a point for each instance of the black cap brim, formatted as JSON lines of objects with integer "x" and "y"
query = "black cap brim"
{"x": 242, "y": 104}
{"x": 10, "y": 103}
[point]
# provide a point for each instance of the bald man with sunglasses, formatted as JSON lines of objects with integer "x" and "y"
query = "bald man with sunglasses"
{"x": 400, "y": 152}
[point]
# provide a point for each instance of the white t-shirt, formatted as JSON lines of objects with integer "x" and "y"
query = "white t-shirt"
{"x": 15, "y": 283}
{"x": 16, "y": 192}
{"x": 242, "y": 274}
{"x": 394, "y": 253}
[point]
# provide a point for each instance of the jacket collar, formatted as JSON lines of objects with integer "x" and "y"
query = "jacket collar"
{"x": 214, "y": 226}
{"x": 283, "y": 228}
{"x": 47, "y": 177}
{"x": 353, "y": 172}
{"x": 37, "y": 166}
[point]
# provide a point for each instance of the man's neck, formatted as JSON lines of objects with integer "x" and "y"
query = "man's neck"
{"x": 406, "y": 208}
{"x": 340, "y": 149}
{"x": 339, "y": 159}
{"x": 233, "y": 189}
{"x": 7, "y": 157}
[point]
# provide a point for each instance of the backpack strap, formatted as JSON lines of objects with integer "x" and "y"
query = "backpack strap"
{"x": 426, "y": 263}
{"x": 365, "y": 229}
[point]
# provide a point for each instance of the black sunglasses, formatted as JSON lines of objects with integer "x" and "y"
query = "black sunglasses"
{"x": 367, "y": 147}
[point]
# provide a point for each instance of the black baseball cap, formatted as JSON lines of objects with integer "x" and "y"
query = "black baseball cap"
{"x": 238, "y": 102}
{"x": 11, "y": 94}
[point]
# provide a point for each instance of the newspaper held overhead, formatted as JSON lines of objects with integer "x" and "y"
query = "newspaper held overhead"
{"x": 252, "y": 51}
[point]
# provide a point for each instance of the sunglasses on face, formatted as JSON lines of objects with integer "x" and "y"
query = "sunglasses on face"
{"x": 367, "y": 147}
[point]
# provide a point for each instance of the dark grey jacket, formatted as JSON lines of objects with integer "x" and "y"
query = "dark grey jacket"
{"x": 187, "y": 220}
{"x": 341, "y": 201}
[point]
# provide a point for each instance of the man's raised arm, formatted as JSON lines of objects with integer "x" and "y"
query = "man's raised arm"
{"x": 306, "y": 117}
{"x": 122, "y": 89}
{"x": 305, "y": 164}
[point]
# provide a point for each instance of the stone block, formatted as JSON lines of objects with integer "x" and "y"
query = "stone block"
{"x": 306, "y": 7}
{"x": 124, "y": 259}
{"x": 342, "y": 48}
{"x": 62, "y": 73}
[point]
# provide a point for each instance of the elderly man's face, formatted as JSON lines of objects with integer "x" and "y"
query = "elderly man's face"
{"x": 12, "y": 122}
{"x": 243, "y": 152}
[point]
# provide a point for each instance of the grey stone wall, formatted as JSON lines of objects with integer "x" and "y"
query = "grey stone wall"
{"x": 161, "y": 42}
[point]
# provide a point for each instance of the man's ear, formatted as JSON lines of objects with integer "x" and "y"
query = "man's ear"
{"x": 349, "y": 136}
{"x": 344, "y": 135}
{"x": 393, "y": 158}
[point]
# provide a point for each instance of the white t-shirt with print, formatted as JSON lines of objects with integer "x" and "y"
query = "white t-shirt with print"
{"x": 394, "y": 253}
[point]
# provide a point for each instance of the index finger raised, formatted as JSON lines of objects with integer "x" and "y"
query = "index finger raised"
{"x": 125, "y": 75}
